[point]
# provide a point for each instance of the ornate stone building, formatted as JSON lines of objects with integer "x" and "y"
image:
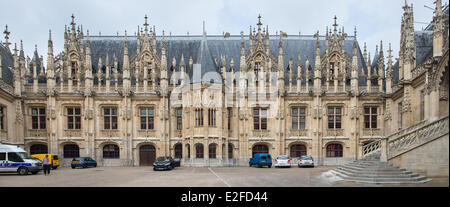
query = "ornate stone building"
{"x": 216, "y": 100}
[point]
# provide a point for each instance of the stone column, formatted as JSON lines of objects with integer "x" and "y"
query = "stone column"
{"x": 384, "y": 149}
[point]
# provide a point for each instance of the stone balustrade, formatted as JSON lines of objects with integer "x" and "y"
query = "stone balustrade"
{"x": 417, "y": 137}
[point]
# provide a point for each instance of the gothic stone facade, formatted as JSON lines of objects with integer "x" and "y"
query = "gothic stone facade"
{"x": 216, "y": 100}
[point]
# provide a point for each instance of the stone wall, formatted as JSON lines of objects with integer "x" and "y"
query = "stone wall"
{"x": 430, "y": 159}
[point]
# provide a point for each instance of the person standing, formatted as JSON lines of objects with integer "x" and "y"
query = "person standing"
{"x": 46, "y": 165}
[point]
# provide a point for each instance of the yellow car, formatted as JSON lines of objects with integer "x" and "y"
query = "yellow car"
{"x": 53, "y": 159}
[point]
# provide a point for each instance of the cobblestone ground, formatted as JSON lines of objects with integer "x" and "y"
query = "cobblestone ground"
{"x": 192, "y": 177}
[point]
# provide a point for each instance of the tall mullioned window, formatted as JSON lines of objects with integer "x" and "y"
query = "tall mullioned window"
{"x": 212, "y": 117}
{"x": 147, "y": 118}
{"x": 229, "y": 111}
{"x": 179, "y": 115}
{"x": 110, "y": 118}
{"x": 334, "y": 117}
{"x": 38, "y": 119}
{"x": 73, "y": 118}
{"x": 298, "y": 118}
{"x": 259, "y": 119}
{"x": 370, "y": 117}
{"x": 198, "y": 117}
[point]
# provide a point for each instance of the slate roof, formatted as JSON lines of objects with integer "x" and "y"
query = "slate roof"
{"x": 204, "y": 49}
{"x": 7, "y": 65}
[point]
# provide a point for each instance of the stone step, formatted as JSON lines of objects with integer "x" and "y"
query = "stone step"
{"x": 412, "y": 180}
{"x": 377, "y": 175}
{"x": 369, "y": 165}
{"x": 375, "y": 169}
{"x": 390, "y": 172}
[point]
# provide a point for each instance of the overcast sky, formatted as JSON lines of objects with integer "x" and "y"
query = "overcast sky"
{"x": 375, "y": 20}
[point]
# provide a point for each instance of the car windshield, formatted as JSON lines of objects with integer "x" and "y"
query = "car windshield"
{"x": 306, "y": 158}
{"x": 282, "y": 158}
{"x": 77, "y": 159}
{"x": 162, "y": 159}
{"x": 24, "y": 155}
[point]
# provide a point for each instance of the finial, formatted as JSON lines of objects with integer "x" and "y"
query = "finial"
{"x": 146, "y": 23}
{"x": 6, "y": 32}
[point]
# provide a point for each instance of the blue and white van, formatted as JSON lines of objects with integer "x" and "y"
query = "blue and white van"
{"x": 15, "y": 159}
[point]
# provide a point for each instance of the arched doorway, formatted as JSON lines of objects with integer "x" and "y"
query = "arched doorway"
{"x": 178, "y": 151}
{"x": 147, "y": 155}
{"x": 260, "y": 148}
{"x": 298, "y": 150}
{"x": 38, "y": 149}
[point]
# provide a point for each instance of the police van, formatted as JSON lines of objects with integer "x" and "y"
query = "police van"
{"x": 15, "y": 159}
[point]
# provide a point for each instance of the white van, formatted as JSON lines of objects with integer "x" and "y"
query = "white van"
{"x": 15, "y": 159}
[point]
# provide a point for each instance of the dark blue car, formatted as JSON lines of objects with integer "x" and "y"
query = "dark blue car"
{"x": 261, "y": 159}
{"x": 83, "y": 162}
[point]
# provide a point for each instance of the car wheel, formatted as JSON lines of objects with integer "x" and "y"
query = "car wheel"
{"x": 54, "y": 168}
{"x": 84, "y": 166}
{"x": 22, "y": 171}
{"x": 170, "y": 167}
{"x": 270, "y": 166}
{"x": 73, "y": 167}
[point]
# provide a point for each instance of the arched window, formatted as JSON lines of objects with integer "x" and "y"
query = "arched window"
{"x": 212, "y": 151}
{"x": 199, "y": 151}
{"x": 334, "y": 150}
{"x": 298, "y": 150}
{"x": 111, "y": 151}
{"x": 71, "y": 151}
{"x": 38, "y": 149}
{"x": 178, "y": 151}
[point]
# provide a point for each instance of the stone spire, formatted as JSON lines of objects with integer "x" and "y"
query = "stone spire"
{"x": 164, "y": 83}
{"x": 7, "y": 43}
{"x": 407, "y": 43}
{"x": 280, "y": 65}
{"x": 389, "y": 72}
{"x": 317, "y": 69}
{"x": 355, "y": 75}
{"x": 126, "y": 63}
{"x": 381, "y": 68}
{"x": 369, "y": 74}
{"x": 50, "y": 61}
{"x": 88, "y": 65}
{"x": 438, "y": 30}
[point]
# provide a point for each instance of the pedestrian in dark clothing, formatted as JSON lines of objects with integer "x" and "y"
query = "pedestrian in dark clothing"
{"x": 46, "y": 165}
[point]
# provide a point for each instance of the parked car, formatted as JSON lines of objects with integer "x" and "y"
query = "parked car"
{"x": 53, "y": 159}
{"x": 306, "y": 161}
{"x": 83, "y": 162}
{"x": 15, "y": 159}
{"x": 283, "y": 161}
{"x": 261, "y": 159}
{"x": 166, "y": 163}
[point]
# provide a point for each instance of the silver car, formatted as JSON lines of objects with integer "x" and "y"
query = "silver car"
{"x": 283, "y": 161}
{"x": 307, "y": 161}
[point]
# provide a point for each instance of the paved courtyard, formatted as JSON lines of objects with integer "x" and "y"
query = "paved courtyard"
{"x": 190, "y": 177}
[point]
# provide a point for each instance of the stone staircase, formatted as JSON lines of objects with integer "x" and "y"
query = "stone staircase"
{"x": 372, "y": 170}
